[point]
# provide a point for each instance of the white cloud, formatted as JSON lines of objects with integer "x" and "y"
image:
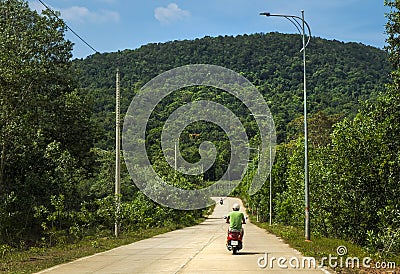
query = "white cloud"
{"x": 171, "y": 13}
{"x": 83, "y": 14}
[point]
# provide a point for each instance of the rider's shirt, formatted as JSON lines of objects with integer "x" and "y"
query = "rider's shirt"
{"x": 235, "y": 220}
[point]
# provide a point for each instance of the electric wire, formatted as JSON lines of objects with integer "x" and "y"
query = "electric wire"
{"x": 76, "y": 34}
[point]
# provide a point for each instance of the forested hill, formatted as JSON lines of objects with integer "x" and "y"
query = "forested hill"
{"x": 339, "y": 74}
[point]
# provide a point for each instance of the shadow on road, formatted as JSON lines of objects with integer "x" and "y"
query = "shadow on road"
{"x": 249, "y": 253}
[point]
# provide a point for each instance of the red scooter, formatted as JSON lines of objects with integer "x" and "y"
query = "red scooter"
{"x": 234, "y": 241}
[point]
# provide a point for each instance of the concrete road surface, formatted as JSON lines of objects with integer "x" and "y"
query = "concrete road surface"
{"x": 198, "y": 249}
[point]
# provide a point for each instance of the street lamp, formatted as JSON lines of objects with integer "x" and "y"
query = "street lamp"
{"x": 300, "y": 25}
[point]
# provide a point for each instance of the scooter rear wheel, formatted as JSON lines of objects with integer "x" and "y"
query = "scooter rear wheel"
{"x": 234, "y": 251}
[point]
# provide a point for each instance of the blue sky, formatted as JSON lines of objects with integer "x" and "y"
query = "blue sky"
{"x": 112, "y": 25}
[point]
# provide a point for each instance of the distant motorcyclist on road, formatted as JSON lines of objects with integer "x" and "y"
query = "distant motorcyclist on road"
{"x": 221, "y": 201}
{"x": 235, "y": 220}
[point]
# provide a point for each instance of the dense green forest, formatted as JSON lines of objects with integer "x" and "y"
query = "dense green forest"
{"x": 57, "y": 131}
{"x": 340, "y": 74}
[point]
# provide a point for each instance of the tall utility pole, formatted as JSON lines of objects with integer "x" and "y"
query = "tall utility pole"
{"x": 117, "y": 155}
{"x": 306, "y": 175}
{"x": 301, "y": 26}
{"x": 270, "y": 180}
{"x": 176, "y": 156}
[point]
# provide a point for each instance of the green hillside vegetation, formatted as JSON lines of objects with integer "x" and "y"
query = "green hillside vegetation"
{"x": 339, "y": 74}
{"x": 57, "y": 133}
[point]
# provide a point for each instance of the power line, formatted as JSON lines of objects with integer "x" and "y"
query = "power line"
{"x": 77, "y": 35}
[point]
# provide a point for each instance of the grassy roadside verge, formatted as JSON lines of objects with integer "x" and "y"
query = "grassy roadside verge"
{"x": 36, "y": 259}
{"x": 321, "y": 247}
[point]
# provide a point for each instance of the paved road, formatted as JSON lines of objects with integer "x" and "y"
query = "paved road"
{"x": 198, "y": 249}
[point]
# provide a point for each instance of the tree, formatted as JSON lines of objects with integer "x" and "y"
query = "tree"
{"x": 45, "y": 129}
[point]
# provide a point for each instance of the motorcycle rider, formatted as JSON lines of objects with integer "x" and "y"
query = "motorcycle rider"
{"x": 235, "y": 219}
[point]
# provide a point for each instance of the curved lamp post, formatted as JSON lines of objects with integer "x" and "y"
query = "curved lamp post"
{"x": 301, "y": 25}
